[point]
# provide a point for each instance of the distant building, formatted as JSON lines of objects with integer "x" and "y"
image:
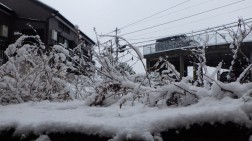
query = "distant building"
{"x": 52, "y": 27}
{"x": 183, "y": 51}
{"x": 168, "y": 46}
{"x": 173, "y": 42}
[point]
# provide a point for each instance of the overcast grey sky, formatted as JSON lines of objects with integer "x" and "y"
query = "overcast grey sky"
{"x": 106, "y": 15}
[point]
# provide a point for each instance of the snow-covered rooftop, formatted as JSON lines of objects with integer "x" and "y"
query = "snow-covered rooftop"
{"x": 5, "y": 6}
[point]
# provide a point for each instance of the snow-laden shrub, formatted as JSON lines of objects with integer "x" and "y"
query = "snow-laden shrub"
{"x": 34, "y": 72}
{"x": 127, "y": 68}
{"x": 120, "y": 87}
{"x": 168, "y": 88}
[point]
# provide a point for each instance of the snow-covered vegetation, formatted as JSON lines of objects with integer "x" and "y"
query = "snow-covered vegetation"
{"x": 35, "y": 73}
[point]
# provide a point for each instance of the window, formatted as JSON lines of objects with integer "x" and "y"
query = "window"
{"x": 64, "y": 28}
{"x": 63, "y": 41}
{"x": 66, "y": 43}
{"x": 54, "y": 35}
{"x": 4, "y": 31}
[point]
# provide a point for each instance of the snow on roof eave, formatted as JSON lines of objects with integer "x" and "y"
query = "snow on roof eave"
{"x": 6, "y": 6}
{"x": 30, "y": 19}
{"x": 6, "y": 9}
{"x": 86, "y": 37}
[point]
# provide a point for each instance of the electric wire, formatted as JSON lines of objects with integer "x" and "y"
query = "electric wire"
{"x": 199, "y": 32}
{"x": 154, "y": 14}
{"x": 203, "y": 19}
{"x": 183, "y": 18}
{"x": 241, "y": 9}
{"x": 149, "y": 16}
{"x": 157, "y": 37}
{"x": 166, "y": 36}
{"x": 165, "y": 29}
{"x": 204, "y": 2}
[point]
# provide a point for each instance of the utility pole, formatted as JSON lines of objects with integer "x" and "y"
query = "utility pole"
{"x": 111, "y": 52}
{"x": 117, "y": 44}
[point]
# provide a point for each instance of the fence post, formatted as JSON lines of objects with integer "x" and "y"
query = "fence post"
{"x": 182, "y": 66}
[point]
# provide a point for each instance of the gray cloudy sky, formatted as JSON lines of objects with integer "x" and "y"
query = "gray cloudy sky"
{"x": 106, "y": 15}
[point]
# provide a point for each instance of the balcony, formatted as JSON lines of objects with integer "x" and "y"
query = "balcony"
{"x": 192, "y": 41}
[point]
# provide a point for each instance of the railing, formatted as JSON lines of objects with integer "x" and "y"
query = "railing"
{"x": 192, "y": 41}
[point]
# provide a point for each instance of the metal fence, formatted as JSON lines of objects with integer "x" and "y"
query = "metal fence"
{"x": 196, "y": 40}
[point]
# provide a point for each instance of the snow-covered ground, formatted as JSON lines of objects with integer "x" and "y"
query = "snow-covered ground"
{"x": 138, "y": 121}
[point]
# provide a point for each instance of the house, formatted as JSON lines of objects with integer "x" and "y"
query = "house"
{"x": 6, "y": 21}
{"x": 26, "y": 15}
{"x": 169, "y": 46}
{"x": 184, "y": 51}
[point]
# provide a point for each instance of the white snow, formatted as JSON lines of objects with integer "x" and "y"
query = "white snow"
{"x": 138, "y": 121}
{"x": 250, "y": 138}
{"x": 43, "y": 138}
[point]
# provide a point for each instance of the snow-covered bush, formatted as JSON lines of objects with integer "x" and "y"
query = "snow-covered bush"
{"x": 169, "y": 74}
{"x": 34, "y": 72}
{"x": 127, "y": 68}
{"x": 118, "y": 86}
{"x": 168, "y": 88}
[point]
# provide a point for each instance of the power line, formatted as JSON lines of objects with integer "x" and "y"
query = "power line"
{"x": 200, "y": 31}
{"x": 185, "y": 34}
{"x": 179, "y": 10}
{"x": 167, "y": 29}
{"x": 203, "y": 31}
{"x": 150, "y": 16}
{"x": 182, "y": 18}
{"x": 154, "y": 14}
{"x": 188, "y": 23}
{"x": 241, "y": 9}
